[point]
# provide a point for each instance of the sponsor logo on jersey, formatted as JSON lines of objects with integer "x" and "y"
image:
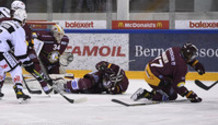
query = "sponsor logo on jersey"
{"x": 4, "y": 66}
{"x": 17, "y": 79}
{"x": 74, "y": 85}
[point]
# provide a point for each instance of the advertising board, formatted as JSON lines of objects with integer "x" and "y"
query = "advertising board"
{"x": 88, "y": 49}
{"x": 146, "y": 46}
{"x": 196, "y": 24}
{"x": 139, "y": 24}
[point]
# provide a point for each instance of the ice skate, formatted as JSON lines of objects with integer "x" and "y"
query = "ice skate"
{"x": 1, "y": 95}
{"x": 20, "y": 95}
{"x": 141, "y": 93}
{"x": 47, "y": 90}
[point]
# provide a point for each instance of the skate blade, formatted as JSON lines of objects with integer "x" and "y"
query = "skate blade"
{"x": 23, "y": 101}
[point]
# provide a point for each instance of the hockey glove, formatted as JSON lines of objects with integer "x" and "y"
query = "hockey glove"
{"x": 193, "y": 97}
{"x": 29, "y": 66}
{"x": 102, "y": 66}
{"x": 199, "y": 68}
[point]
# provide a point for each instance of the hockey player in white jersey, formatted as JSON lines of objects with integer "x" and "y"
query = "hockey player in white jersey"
{"x": 12, "y": 36}
{"x": 4, "y": 15}
{"x": 4, "y": 12}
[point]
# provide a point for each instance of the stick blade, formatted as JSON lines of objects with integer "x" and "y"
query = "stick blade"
{"x": 120, "y": 102}
{"x": 201, "y": 85}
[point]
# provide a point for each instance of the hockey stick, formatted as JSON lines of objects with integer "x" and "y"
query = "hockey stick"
{"x": 30, "y": 90}
{"x": 55, "y": 88}
{"x": 203, "y": 86}
{"x": 134, "y": 104}
{"x": 146, "y": 103}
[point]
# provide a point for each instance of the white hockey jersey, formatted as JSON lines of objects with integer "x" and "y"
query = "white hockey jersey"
{"x": 12, "y": 35}
{"x": 4, "y": 12}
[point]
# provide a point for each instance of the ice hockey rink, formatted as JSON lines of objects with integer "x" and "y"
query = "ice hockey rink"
{"x": 99, "y": 110}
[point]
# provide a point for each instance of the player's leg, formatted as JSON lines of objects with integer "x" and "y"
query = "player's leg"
{"x": 17, "y": 79}
{"x": 78, "y": 85}
{"x": 152, "y": 80}
{"x": 2, "y": 80}
{"x": 162, "y": 89}
{"x": 38, "y": 73}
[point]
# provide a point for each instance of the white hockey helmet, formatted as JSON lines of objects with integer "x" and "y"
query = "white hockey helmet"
{"x": 20, "y": 15}
{"x": 58, "y": 32}
{"x": 4, "y": 12}
{"x": 17, "y": 4}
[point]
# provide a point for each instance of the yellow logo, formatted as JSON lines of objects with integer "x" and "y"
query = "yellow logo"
{"x": 159, "y": 25}
{"x": 120, "y": 24}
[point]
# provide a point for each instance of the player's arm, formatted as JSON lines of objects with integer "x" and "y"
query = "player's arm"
{"x": 116, "y": 80}
{"x": 197, "y": 66}
{"x": 179, "y": 86}
{"x": 20, "y": 49}
{"x": 120, "y": 87}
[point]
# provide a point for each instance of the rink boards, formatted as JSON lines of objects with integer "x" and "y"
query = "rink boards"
{"x": 132, "y": 49}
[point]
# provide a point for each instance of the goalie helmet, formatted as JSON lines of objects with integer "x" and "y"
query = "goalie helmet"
{"x": 4, "y": 12}
{"x": 20, "y": 15}
{"x": 17, "y": 4}
{"x": 58, "y": 32}
{"x": 189, "y": 52}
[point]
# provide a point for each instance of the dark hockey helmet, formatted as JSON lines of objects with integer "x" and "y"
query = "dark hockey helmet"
{"x": 189, "y": 52}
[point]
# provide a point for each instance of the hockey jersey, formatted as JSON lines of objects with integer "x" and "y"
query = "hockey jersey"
{"x": 12, "y": 35}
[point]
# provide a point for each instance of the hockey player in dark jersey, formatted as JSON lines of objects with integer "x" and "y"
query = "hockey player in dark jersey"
{"x": 166, "y": 75}
{"x": 54, "y": 45}
{"x": 109, "y": 79}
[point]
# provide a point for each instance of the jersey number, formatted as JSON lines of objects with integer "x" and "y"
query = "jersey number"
{"x": 159, "y": 64}
{"x": 56, "y": 47}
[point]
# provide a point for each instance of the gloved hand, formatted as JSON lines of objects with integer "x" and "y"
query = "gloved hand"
{"x": 29, "y": 66}
{"x": 193, "y": 97}
{"x": 102, "y": 66}
{"x": 108, "y": 84}
{"x": 199, "y": 68}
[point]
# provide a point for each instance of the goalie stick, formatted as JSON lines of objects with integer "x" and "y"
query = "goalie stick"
{"x": 55, "y": 88}
{"x": 146, "y": 103}
{"x": 203, "y": 86}
{"x": 30, "y": 90}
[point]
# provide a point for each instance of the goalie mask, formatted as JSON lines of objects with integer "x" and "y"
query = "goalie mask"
{"x": 58, "y": 32}
{"x": 189, "y": 52}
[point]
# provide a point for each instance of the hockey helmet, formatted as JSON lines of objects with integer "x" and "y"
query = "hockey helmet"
{"x": 58, "y": 32}
{"x": 20, "y": 15}
{"x": 17, "y": 4}
{"x": 4, "y": 12}
{"x": 189, "y": 52}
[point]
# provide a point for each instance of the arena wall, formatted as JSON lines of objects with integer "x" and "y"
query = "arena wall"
{"x": 133, "y": 49}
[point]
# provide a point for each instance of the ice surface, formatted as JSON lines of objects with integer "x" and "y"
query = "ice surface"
{"x": 99, "y": 110}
